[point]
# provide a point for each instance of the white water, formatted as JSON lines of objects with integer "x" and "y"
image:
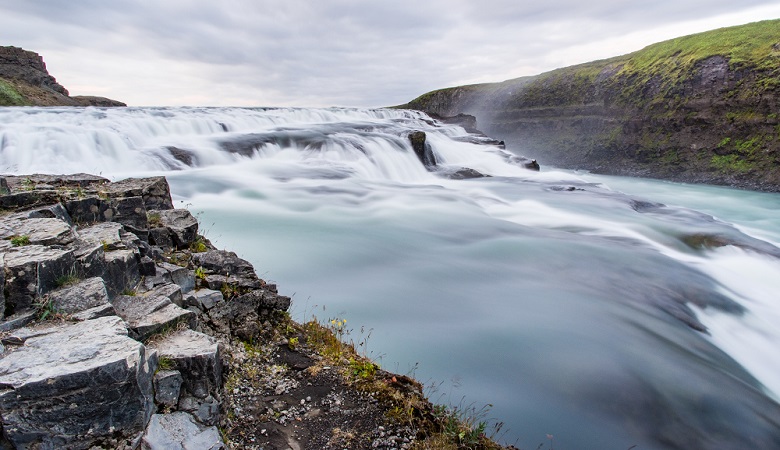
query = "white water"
{"x": 561, "y": 308}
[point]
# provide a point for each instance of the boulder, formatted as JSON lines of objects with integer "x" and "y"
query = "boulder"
{"x": 69, "y": 385}
{"x": 224, "y": 263}
{"x": 171, "y": 273}
{"x": 161, "y": 237}
{"x": 167, "y": 388}
{"x": 89, "y": 209}
{"x": 168, "y": 290}
{"x": 243, "y": 316}
{"x": 197, "y": 357}
{"x": 30, "y": 272}
{"x": 154, "y": 191}
{"x": 84, "y": 295}
{"x": 181, "y": 225}
{"x": 148, "y": 315}
{"x": 121, "y": 271}
{"x": 422, "y": 149}
{"x": 130, "y": 212}
{"x": 204, "y": 299}
{"x": 178, "y": 431}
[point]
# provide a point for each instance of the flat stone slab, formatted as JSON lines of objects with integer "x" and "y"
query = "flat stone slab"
{"x": 148, "y": 315}
{"x": 154, "y": 190}
{"x": 179, "y": 431}
{"x": 79, "y": 297}
{"x": 42, "y": 231}
{"x": 68, "y": 384}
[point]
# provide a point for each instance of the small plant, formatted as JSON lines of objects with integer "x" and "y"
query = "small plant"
{"x": 154, "y": 219}
{"x": 200, "y": 273}
{"x": 105, "y": 245}
{"x": 129, "y": 292}
{"x": 19, "y": 241}
{"x": 165, "y": 363}
{"x": 199, "y": 246}
{"x": 46, "y": 309}
{"x": 292, "y": 343}
{"x": 362, "y": 369}
{"x": 67, "y": 279}
{"x": 28, "y": 184}
{"x": 230, "y": 290}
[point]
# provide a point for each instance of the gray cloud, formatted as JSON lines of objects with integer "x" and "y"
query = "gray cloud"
{"x": 339, "y": 52}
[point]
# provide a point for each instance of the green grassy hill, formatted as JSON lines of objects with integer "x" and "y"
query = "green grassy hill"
{"x": 699, "y": 108}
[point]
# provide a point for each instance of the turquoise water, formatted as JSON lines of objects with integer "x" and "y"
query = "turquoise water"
{"x": 569, "y": 302}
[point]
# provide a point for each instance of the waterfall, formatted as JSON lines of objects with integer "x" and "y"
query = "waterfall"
{"x": 607, "y": 311}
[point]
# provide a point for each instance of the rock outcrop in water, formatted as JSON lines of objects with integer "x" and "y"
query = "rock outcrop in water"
{"x": 24, "y": 81}
{"x": 701, "y": 108}
{"x": 123, "y": 327}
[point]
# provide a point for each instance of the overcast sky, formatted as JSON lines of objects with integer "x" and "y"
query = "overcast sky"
{"x": 335, "y": 52}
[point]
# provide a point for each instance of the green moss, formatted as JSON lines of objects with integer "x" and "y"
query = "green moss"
{"x": 20, "y": 241}
{"x": 9, "y": 96}
{"x": 731, "y": 163}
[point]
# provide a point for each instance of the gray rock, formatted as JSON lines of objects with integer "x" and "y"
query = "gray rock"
{"x": 171, "y": 291}
{"x": 422, "y": 149}
{"x": 121, "y": 272}
{"x": 182, "y": 225}
{"x": 146, "y": 316}
{"x": 71, "y": 384}
{"x": 161, "y": 237}
{"x": 204, "y": 410}
{"x": 205, "y": 299}
{"x": 224, "y": 263}
{"x": 130, "y": 212}
{"x": 171, "y": 273}
{"x": 154, "y": 191}
{"x": 79, "y": 297}
{"x": 56, "y": 211}
{"x": 40, "y": 231}
{"x": 2, "y": 283}
{"x": 197, "y": 357}
{"x": 167, "y": 387}
{"x": 96, "y": 312}
{"x": 32, "y": 271}
{"x": 106, "y": 235}
{"x": 243, "y": 316}
{"x": 147, "y": 267}
{"x": 18, "y": 320}
{"x": 89, "y": 209}
{"x": 178, "y": 431}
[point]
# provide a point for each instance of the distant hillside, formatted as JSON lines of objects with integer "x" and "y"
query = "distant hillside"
{"x": 700, "y": 108}
{"x": 24, "y": 81}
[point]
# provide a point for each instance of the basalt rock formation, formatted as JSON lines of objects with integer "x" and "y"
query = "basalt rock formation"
{"x": 24, "y": 81}
{"x": 700, "y": 108}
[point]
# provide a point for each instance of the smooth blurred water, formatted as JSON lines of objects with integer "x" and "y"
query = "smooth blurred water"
{"x": 562, "y": 299}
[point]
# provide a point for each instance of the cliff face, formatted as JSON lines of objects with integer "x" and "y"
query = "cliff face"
{"x": 24, "y": 81}
{"x": 701, "y": 108}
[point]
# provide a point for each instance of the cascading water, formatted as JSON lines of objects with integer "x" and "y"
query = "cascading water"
{"x": 578, "y": 306}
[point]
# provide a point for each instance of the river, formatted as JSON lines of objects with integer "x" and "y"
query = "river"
{"x": 604, "y": 312}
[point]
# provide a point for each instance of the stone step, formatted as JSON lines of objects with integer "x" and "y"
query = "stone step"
{"x": 66, "y": 385}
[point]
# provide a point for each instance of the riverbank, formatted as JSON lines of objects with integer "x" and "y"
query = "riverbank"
{"x": 124, "y": 327}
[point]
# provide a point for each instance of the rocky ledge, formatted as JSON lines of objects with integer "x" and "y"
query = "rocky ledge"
{"x": 25, "y": 81}
{"x": 123, "y": 327}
